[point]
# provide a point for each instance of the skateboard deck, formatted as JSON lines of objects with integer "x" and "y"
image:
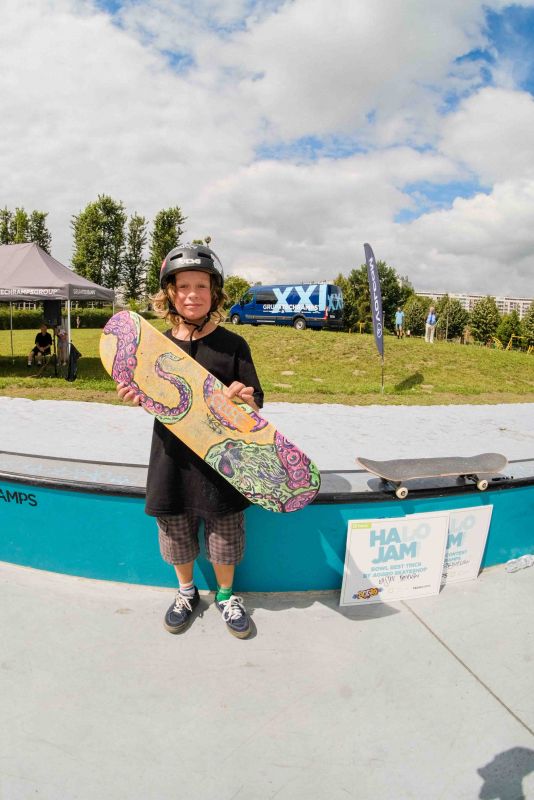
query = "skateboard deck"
{"x": 397, "y": 471}
{"x": 229, "y": 435}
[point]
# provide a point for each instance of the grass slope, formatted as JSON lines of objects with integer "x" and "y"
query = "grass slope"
{"x": 312, "y": 367}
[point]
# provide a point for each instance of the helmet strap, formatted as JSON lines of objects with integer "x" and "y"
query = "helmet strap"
{"x": 194, "y": 326}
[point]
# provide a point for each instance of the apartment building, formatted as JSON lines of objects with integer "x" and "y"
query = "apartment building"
{"x": 505, "y": 305}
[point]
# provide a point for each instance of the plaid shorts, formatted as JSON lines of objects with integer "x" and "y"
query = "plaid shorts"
{"x": 224, "y": 537}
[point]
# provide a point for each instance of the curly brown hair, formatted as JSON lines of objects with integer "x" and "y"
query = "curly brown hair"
{"x": 164, "y": 308}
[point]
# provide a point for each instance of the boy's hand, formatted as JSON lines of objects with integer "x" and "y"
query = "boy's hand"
{"x": 245, "y": 393}
{"x": 128, "y": 395}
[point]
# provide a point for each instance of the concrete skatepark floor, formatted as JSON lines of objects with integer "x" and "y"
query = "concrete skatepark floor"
{"x": 423, "y": 699}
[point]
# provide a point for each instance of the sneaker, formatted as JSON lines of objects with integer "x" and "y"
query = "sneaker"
{"x": 178, "y": 615}
{"x": 234, "y": 614}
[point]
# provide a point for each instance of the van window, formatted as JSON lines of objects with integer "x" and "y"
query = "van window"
{"x": 265, "y": 297}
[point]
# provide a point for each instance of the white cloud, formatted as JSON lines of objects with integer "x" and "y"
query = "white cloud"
{"x": 315, "y": 67}
{"x": 492, "y": 134}
{"x": 484, "y": 244}
{"x": 92, "y": 107}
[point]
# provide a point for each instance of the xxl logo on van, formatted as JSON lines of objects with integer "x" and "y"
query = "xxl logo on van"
{"x": 306, "y": 301}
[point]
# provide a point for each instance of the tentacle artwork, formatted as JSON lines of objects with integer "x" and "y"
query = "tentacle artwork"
{"x": 225, "y": 410}
{"x": 127, "y": 331}
{"x": 269, "y": 474}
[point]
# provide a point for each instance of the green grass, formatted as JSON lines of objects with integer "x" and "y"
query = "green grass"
{"x": 313, "y": 367}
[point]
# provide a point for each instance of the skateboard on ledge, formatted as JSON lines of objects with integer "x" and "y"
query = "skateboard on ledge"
{"x": 228, "y": 434}
{"x": 398, "y": 471}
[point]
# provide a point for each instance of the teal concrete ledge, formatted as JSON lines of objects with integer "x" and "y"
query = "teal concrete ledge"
{"x": 99, "y": 530}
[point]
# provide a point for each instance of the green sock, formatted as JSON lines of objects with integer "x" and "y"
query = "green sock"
{"x": 223, "y": 593}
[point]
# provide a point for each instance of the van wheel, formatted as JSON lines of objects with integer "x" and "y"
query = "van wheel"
{"x": 235, "y": 319}
{"x": 299, "y": 324}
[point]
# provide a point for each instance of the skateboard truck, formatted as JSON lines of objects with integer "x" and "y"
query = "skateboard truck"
{"x": 402, "y": 491}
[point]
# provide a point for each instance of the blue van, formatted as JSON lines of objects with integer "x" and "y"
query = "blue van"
{"x": 309, "y": 305}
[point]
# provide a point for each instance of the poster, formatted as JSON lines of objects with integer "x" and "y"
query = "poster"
{"x": 394, "y": 559}
{"x": 468, "y": 531}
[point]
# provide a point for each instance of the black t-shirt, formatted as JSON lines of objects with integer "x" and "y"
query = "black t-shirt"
{"x": 178, "y": 479}
{"x": 43, "y": 340}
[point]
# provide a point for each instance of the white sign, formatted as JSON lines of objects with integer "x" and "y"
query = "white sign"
{"x": 468, "y": 531}
{"x": 394, "y": 559}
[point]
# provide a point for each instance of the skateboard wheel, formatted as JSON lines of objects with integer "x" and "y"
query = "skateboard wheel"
{"x": 401, "y": 492}
{"x": 482, "y": 485}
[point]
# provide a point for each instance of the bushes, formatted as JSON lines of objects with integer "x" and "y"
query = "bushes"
{"x": 31, "y": 319}
{"x": 24, "y": 318}
{"x": 91, "y": 317}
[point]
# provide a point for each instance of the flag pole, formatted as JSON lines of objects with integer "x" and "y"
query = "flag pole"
{"x": 11, "y": 326}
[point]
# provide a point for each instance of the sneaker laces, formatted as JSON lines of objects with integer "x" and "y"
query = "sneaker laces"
{"x": 182, "y": 602}
{"x": 233, "y": 608}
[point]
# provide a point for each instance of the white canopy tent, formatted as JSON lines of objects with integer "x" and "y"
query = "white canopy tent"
{"x": 28, "y": 273}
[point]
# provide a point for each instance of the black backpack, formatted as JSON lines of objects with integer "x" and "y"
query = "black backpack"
{"x": 72, "y": 369}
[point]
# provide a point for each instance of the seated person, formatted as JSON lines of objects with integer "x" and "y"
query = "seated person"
{"x": 43, "y": 343}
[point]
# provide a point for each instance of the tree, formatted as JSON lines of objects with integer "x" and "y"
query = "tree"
{"x": 350, "y": 308}
{"x": 5, "y": 226}
{"x": 235, "y": 287}
{"x": 406, "y": 287}
{"x": 19, "y": 227}
{"x": 134, "y": 261}
{"x": 452, "y": 317}
{"x": 415, "y": 314}
{"x": 527, "y": 325}
{"x": 510, "y": 325}
{"x": 99, "y": 241}
{"x": 484, "y": 319}
{"x": 37, "y": 230}
{"x": 165, "y": 235}
{"x": 393, "y": 293}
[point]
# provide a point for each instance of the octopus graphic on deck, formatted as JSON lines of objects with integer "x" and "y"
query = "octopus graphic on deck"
{"x": 271, "y": 473}
{"x": 126, "y": 329}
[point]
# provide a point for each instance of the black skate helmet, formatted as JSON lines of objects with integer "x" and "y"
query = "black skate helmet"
{"x": 196, "y": 257}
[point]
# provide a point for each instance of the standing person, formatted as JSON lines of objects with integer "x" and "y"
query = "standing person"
{"x": 62, "y": 347}
{"x": 182, "y": 489}
{"x": 399, "y": 323}
{"x": 430, "y": 326}
{"x": 43, "y": 343}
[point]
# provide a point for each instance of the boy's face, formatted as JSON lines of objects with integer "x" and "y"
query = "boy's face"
{"x": 191, "y": 294}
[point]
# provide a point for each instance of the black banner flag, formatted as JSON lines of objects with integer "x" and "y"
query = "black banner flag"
{"x": 376, "y": 298}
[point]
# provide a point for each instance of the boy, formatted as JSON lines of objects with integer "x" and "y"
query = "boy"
{"x": 399, "y": 323}
{"x": 182, "y": 489}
